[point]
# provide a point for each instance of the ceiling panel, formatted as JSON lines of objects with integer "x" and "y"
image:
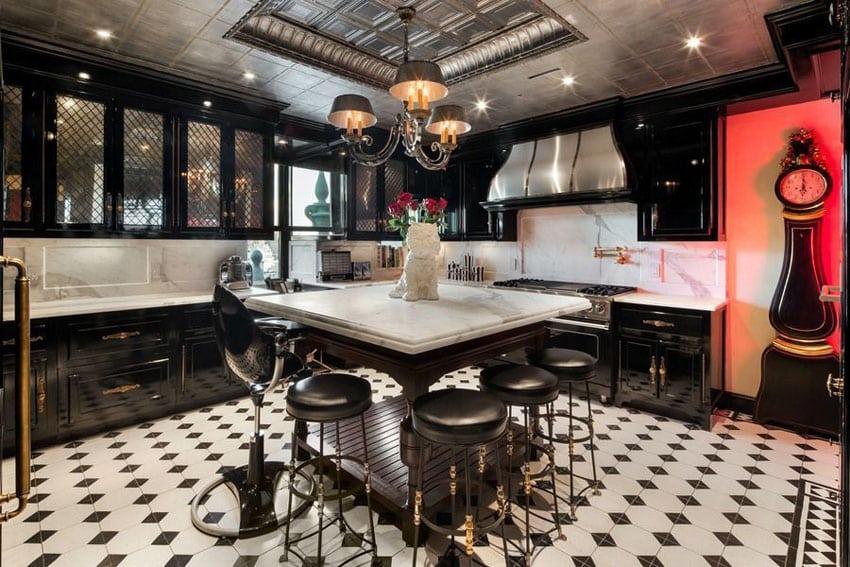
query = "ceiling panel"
{"x": 619, "y": 52}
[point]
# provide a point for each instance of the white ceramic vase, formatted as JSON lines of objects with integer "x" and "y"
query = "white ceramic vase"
{"x": 419, "y": 278}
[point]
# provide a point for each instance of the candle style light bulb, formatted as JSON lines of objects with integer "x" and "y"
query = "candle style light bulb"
{"x": 348, "y": 123}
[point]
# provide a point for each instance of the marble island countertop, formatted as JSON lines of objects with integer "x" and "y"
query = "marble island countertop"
{"x": 86, "y": 305}
{"x": 462, "y": 313}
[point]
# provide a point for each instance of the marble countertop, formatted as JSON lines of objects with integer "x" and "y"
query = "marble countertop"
{"x": 462, "y": 313}
{"x": 678, "y": 301}
{"x": 86, "y": 305}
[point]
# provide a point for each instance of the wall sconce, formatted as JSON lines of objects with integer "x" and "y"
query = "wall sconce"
{"x": 619, "y": 251}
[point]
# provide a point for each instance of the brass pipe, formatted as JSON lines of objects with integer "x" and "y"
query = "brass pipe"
{"x": 22, "y": 390}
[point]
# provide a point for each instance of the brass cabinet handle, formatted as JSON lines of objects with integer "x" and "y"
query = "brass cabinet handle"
{"x": 41, "y": 394}
{"x": 662, "y": 373}
{"x": 652, "y": 370}
{"x": 835, "y": 386}
{"x": 120, "y": 336}
{"x": 27, "y": 204}
{"x": 122, "y": 389}
{"x": 35, "y": 339}
{"x": 658, "y": 323}
{"x": 183, "y": 371}
{"x": 109, "y": 202}
{"x": 119, "y": 203}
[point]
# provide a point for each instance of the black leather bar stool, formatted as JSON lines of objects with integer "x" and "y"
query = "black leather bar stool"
{"x": 532, "y": 389}
{"x": 461, "y": 420}
{"x": 572, "y": 367}
{"x": 329, "y": 398}
{"x": 257, "y": 355}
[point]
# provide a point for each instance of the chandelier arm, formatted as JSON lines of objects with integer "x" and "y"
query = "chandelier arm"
{"x": 411, "y": 135}
{"x": 436, "y": 163}
{"x": 363, "y": 157}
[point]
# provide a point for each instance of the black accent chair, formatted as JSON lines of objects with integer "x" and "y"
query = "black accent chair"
{"x": 256, "y": 351}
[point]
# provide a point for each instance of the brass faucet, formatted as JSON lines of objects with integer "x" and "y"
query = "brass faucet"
{"x": 619, "y": 251}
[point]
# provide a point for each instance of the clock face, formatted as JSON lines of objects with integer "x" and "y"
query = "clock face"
{"x": 802, "y": 186}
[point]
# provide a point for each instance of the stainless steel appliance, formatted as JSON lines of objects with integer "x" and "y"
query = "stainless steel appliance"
{"x": 588, "y": 331}
{"x": 235, "y": 273}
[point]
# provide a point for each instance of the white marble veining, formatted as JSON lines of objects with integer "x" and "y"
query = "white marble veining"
{"x": 462, "y": 313}
{"x": 557, "y": 243}
{"x": 678, "y": 301}
{"x": 86, "y": 305}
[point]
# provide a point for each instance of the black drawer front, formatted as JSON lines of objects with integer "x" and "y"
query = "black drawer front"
{"x": 97, "y": 392}
{"x": 86, "y": 339}
{"x": 198, "y": 320}
{"x": 661, "y": 322}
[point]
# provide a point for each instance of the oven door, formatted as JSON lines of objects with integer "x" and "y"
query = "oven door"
{"x": 591, "y": 337}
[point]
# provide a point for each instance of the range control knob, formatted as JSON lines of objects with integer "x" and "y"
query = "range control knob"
{"x": 599, "y": 308}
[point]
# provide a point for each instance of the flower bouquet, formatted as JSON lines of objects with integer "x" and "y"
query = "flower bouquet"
{"x": 406, "y": 210}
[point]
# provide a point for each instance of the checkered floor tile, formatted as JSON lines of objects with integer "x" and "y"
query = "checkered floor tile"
{"x": 671, "y": 495}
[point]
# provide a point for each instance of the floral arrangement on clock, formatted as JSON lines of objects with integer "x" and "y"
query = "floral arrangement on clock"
{"x": 406, "y": 210}
{"x": 803, "y": 150}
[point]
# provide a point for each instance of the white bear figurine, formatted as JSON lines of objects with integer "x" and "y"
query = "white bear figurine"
{"x": 419, "y": 279}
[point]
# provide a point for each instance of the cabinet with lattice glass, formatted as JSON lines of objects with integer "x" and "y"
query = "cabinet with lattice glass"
{"x": 224, "y": 179}
{"x": 20, "y": 183}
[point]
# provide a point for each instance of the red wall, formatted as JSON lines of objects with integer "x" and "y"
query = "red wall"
{"x": 755, "y": 142}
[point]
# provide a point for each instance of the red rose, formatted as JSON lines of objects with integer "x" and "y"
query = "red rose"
{"x": 443, "y": 204}
{"x": 405, "y": 199}
{"x": 396, "y": 209}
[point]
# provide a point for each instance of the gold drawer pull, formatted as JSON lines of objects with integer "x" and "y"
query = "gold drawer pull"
{"x": 122, "y": 389}
{"x": 35, "y": 339}
{"x": 120, "y": 336}
{"x": 658, "y": 323}
{"x": 41, "y": 394}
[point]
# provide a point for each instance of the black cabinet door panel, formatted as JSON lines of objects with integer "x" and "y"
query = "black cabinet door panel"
{"x": 637, "y": 356}
{"x": 682, "y": 377}
{"x": 100, "y": 392}
{"x": 203, "y": 374}
{"x": 40, "y": 404}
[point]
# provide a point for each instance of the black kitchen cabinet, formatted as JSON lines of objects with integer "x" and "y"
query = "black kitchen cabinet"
{"x": 677, "y": 163}
{"x": 203, "y": 376}
{"x": 670, "y": 360}
{"x": 90, "y": 160}
{"x": 42, "y": 387}
{"x": 478, "y": 223}
{"x": 224, "y": 179}
{"x": 463, "y": 183}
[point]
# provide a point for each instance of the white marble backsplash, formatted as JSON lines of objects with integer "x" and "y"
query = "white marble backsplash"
{"x": 557, "y": 243}
{"x": 62, "y": 268}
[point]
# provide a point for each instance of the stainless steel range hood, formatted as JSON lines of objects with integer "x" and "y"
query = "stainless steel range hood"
{"x": 576, "y": 168}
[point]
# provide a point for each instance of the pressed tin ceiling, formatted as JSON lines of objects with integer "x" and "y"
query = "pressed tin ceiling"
{"x": 363, "y": 40}
{"x": 632, "y": 47}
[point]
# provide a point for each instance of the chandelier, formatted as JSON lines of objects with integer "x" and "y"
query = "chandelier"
{"x": 417, "y": 84}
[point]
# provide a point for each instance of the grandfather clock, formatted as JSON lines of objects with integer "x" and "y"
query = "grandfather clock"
{"x": 796, "y": 366}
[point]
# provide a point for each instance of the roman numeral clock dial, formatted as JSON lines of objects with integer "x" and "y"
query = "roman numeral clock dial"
{"x": 796, "y": 364}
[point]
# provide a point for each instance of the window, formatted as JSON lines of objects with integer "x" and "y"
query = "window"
{"x": 316, "y": 201}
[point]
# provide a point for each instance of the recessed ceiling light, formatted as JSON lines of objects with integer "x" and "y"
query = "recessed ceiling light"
{"x": 568, "y": 80}
{"x": 208, "y": 103}
{"x": 103, "y": 34}
{"x": 481, "y": 105}
{"x": 249, "y": 75}
{"x": 84, "y": 76}
{"x": 693, "y": 42}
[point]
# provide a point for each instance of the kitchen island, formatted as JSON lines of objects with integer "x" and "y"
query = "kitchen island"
{"x": 415, "y": 343}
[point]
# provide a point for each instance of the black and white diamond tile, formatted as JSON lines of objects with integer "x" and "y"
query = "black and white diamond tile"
{"x": 741, "y": 495}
